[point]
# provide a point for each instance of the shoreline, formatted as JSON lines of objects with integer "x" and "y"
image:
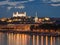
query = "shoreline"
{"x": 32, "y": 33}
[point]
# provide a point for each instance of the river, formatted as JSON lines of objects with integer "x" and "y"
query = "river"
{"x": 27, "y": 39}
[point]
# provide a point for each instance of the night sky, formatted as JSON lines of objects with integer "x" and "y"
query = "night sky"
{"x": 44, "y": 8}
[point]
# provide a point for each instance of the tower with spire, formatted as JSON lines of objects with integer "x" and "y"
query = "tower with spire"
{"x": 36, "y": 18}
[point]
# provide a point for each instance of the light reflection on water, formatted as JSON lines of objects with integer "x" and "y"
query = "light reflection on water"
{"x": 25, "y": 39}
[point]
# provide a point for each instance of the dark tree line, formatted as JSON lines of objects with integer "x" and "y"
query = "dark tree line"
{"x": 45, "y": 26}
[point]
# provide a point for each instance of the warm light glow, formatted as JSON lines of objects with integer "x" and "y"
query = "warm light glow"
{"x": 42, "y": 42}
{"x": 40, "y": 20}
{"x": 9, "y": 21}
{"x": 15, "y": 19}
{"x": 46, "y": 40}
{"x": 47, "y": 30}
{"x": 47, "y": 18}
{"x": 3, "y": 19}
{"x": 36, "y": 19}
{"x": 37, "y": 40}
{"x": 51, "y": 40}
{"x": 33, "y": 39}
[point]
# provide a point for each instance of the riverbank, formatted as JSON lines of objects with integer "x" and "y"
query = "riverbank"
{"x": 32, "y": 32}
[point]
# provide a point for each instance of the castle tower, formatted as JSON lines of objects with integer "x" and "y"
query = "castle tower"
{"x": 36, "y": 18}
{"x": 14, "y": 15}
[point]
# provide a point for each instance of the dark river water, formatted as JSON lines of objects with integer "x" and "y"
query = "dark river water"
{"x": 26, "y": 39}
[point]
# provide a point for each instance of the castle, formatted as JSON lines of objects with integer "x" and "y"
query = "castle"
{"x": 23, "y": 14}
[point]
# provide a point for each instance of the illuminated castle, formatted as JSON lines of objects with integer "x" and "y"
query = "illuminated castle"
{"x": 23, "y": 14}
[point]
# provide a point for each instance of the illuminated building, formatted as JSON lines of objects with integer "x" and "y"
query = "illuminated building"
{"x": 3, "y": 19}
{"x": 23, "y": 14}
{"x": 46, "y": 18}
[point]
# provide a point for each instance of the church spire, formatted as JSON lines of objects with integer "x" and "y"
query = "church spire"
{"x": 36, "y": 18}
{"x": 36, "y": 14}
